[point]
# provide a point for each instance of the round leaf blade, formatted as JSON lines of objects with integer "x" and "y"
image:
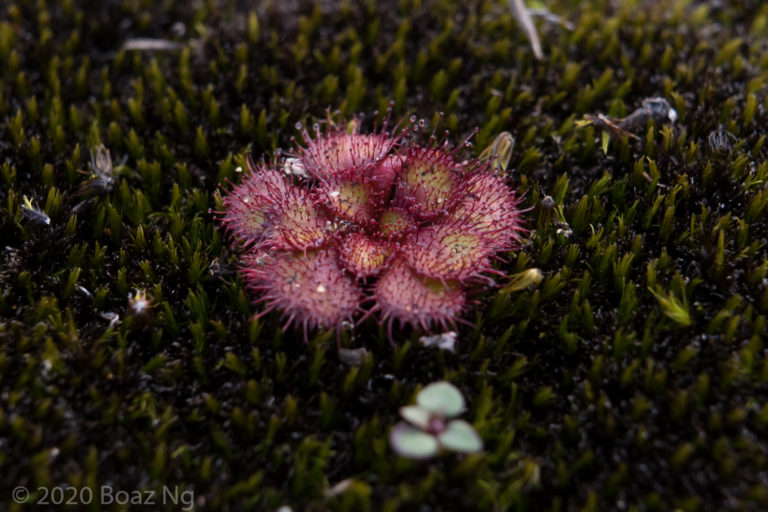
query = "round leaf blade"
{"x": 411, "y": 442}
{"x": 416, "y": 415}
{"x": 460, "y": 436}
{"x": 441, "y": 398}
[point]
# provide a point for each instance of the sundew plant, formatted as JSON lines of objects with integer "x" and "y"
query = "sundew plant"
{"x": 355, "y": 224}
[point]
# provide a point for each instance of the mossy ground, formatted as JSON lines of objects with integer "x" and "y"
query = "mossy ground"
{"x": 634, "y": 377}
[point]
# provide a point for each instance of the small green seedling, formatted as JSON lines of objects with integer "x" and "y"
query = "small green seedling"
{"x": 428, "y": 430}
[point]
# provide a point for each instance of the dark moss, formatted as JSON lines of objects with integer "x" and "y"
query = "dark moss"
{"x": 634, "y": 377}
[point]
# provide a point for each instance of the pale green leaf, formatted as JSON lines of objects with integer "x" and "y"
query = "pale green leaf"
{"x": 411, "y": 442}
{"x": 416, "y": 415}
{"x": 459, "y": 436}
{"x": 441, "y": 398}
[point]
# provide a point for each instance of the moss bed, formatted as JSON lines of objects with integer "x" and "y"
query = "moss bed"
{"x": 634, "y": 377}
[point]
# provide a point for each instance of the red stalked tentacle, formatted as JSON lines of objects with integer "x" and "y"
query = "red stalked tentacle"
{"x": 311, "y": 289}
{"x": 490, "y": 207}
{"x": 448, "y": 250}
{"x": 427, "y": 182}
{"x": 249, "y": 207}
{"x": 336, "y": 150}
{"x": 299, "y": 223}
{"x": 402, "y": 294}
{"x": 363, "y": 256}
{"x": 349, "y": 195}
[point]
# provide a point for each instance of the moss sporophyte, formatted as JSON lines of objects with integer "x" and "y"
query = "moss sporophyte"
{"x": 350, "y": 225}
